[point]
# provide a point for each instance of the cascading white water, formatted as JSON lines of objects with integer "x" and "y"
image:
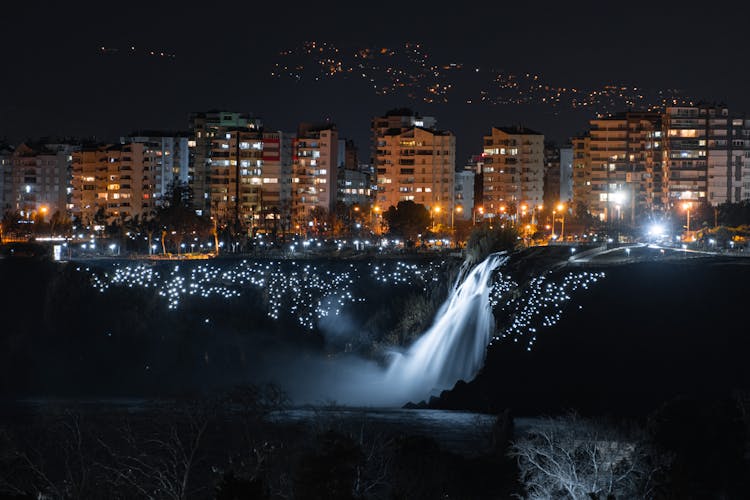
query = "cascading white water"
{"x": 454, "y": 347}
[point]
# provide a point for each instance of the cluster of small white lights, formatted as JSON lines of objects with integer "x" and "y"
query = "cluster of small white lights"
{"x": 130, "y": 276}
{"x": 407, "y": 274}
{"x": 309, "y": 293}
{"x": 540, "y": 304}
{"x": 305, "y": 291}
{"x": 501, "y": 286}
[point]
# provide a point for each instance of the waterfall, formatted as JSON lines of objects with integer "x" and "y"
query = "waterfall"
{"x": 455, "y": 345}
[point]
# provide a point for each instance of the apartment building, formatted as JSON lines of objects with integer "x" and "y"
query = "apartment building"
{"x": 513, "y": 170}
{"x": 417, "y": 164}
{"x": 173, "y": 156}
{"x": 205, "y": 127}
{"x": 314, "y": 175}
{"x": 116, "y": 179}
{"x": 617, "y": 168}
{"x": 706, "y": 155}
{"x": 5, "y": 178}
{"x": 464, "y": 195}
{"x": 37, "y": 178}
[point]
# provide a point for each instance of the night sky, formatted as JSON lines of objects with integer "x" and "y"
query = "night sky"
{"x": 58, "y": 81}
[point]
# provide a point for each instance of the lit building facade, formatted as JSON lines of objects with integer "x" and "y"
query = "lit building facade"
{"x": 464, "y": 195}
{"x": 118, "y": 179}
{"x": 173, "y": 155}
{"x": 417, "y": 164}
{"x": 513, "y": 170}
{"x": 354, "y": 187}
{"x": 205, "y": 127}
{"x": 552, "y": 180}
{"x": 640, "y": 162}
{"x": 566, "y": 174}
{"x": 394, "y": 121}
{"x": 354, "y": 181}
{"x": 617, "y": 169}
{"x": 6, "y": 185}
{"x": 706, "y": 155}
{"x": 39, "y": 179}
{"x": 314, "y": 175}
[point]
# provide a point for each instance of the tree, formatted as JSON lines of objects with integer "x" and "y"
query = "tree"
{"x": 321, "y": 221}
{"x": 485, "y": 240}
{"x": 61, "y": 222}
{"x": 10, "y": 223}
{"x": 572, "y": 457}
{"x": 177, "y": 218}
{"x": 407, "y": 219}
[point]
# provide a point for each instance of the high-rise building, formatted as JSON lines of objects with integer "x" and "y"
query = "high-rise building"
{"x": 552, "y": 172}
{"x": 205, "y": 127}
{"x": 6, "y": 184}
{"x": 276, "y": 178}
{"x": 173, "y": 155}
{"x": 412, "y": 160}
{"x": 417, "y": 164}
{"x": 354, "y": 187}
{"x": 616, "y": 173}
{"x": 464, "y": 195}
{"x": 475, "y": 165}
{"x": 354, "y": 184}
{"x": 116, "y": 181}
{"x": 241, "y": 173}
{"x": 706, "y": 155}
{"x": 513, "y": 172}
{"x": 314, "y": 175}
{"x": 394, "y": 120}
{"x": 39, "y": 180}
{"x": 566, "y": 174}
{"x": 643, "y": 162}
{"x": 348, "y": 154}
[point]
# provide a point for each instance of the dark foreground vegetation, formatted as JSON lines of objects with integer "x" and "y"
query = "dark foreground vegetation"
{"x": 233, "y": 446}
{"x": 230, "y": 447}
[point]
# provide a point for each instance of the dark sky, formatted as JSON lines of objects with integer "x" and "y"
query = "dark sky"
{"x": 57, "y": 82}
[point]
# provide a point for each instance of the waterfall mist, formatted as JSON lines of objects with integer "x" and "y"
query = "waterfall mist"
{"x": 452, "y": 349}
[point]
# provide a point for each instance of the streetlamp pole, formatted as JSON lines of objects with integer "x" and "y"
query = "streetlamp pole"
{"x": 561, "y": 209}
{"x": 562, "y": 227}
{"x": 554, "y": 212}
{"x": 687, "y": 206}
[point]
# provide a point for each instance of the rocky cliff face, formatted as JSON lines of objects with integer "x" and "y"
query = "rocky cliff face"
{"x": 128, "y": 328}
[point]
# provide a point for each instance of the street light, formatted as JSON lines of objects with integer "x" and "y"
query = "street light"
{"x": 502, "y": 213}
{"x": 436, "y": 210}
{"x": 687, "y": 206}
{"x": 375, "y": 215}
{"x": 481, "y": 213}
{"x": 458, "y": 209}
{"x": 535, "y": 214}
{"x": 554, "y": 212}
{"x": 561, "y": 209}
{"x": 522, "y": 209}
